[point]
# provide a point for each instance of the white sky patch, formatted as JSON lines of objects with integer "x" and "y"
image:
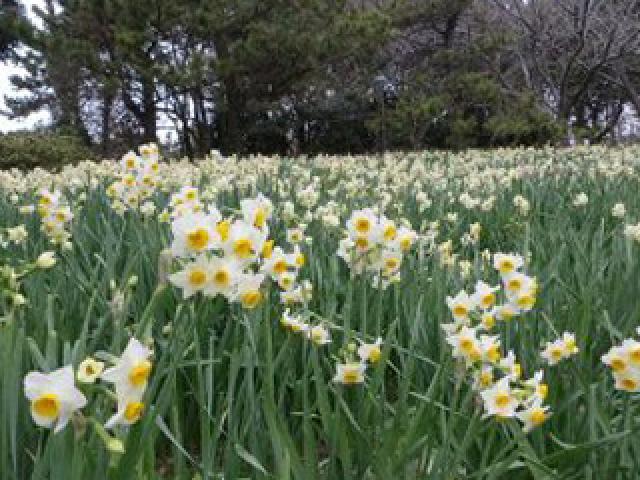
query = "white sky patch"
{"x": 8, "y": 69}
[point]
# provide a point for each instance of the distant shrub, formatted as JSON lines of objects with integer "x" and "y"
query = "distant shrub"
{"x": 26, "y": 150}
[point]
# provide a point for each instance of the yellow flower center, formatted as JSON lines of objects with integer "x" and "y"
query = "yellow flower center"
{"x": 629, "y": 384}
{"x": 130, "y": 163}
{"x": 300, "y": 259}
{"x": 556, "y": 353}
{"x": 198, "y": 239}
{"x": 493, "y": 353}
{"x": 634, "y": 355}
{"x": 405, "y": 243}
{"x": 537, "y": 416}
{"x": 488, "y": 321}
{"x": 506, "y": 313}
{"x": 389, "y": 232}
{"x": 391, "y": 263}
{"x": 251, "y": 299}
{"x": 242, "y": 247}
{"x": 517, "y": 370}
{"x": 60, "y": 216}
{"x": 222, "y": 277}
{"x": 374, "y": 354}
{"x": 618, "y": 364}
{"x": 526, "y": 301}
{"x": 466, "y": 345}
{"x": 506, "y": 266}
{"x": 362, "y": 243}
{"x": 140, "y": 373}
{"x": 460, "y": 310}
{"x": 488, "y": 300}
{"x": 133, "y": 411}
{"x": 286, "y": 282}
{"x": 280, "y": 267}
{"x": 363, "y": 225}
{"x": 223, "y": 228}
{"x": 486, "y": 378}
{"x": 47, "y": 406}
{"x": 475, "y": 354}
{"x": 317, "y": 335}
{"x": 502, "y": 399}
{"x": 191, "y": 195}
{"x": 351, "y": 376}
{"x": 197, "y": 277}
{"x": 543, "y": 390}
{"x": 260, "y": 218}
{"x": 267, "y": 249}
{"x": 514, "y": 284}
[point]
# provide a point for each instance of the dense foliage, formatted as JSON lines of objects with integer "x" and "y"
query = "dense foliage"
{"x": 27, "y": 150}
{"x": 315, "y": 76}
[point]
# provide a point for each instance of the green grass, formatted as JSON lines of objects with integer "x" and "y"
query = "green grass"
{"x": 232, "y": 395}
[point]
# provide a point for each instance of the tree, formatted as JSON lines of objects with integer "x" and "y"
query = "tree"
{"x": 293, "y": 77}
{"x": 564, "y": 50}
{"x": 11, "y": 19}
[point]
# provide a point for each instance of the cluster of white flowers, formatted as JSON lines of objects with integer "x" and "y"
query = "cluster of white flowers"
{"x": 374, "y": 244}
{"x": 560, "y": 349}
{"x": 497, "y": 377}
{"x": 231, "y": 257}
{"x": 56, "y": 215}
{"x": 129, "y": 376}
{"x": 318, "y": 334}
{"x": 624, "y": 361}
{"x": 519, "y": 290}
{"x": 356, "y": 359}
{"x": 54, "y": 396}
{"x": 137, "y": 180}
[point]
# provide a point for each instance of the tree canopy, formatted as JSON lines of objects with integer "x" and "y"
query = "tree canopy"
{"x": 326, "y": 76}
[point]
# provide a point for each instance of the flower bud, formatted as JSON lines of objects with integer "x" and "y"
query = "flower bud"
{"x": 46, "y": 260}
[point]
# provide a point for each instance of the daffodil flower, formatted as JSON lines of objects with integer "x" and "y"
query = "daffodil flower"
{"x": 53, "y": 396}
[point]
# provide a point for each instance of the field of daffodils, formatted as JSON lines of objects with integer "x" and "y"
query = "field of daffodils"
{"x": 423, "y": 315}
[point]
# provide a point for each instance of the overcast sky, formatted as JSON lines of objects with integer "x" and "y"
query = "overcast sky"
{"x": 8, "y": 69}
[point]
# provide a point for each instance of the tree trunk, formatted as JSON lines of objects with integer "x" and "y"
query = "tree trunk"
{"x": 149, "y": 113}
{"x": 232, "y": 138}
{"x": 105, "y": 134}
